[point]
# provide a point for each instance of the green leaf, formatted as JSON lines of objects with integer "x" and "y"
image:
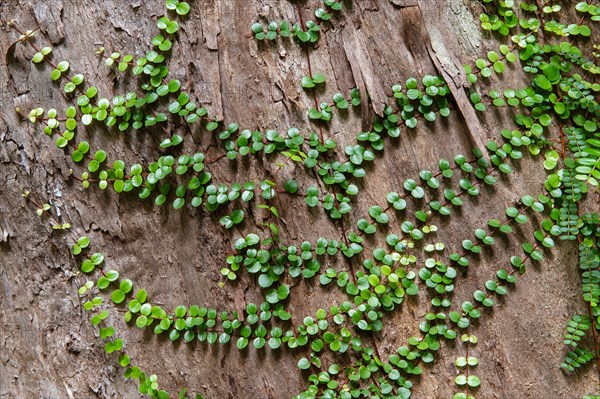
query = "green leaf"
{"x": 314, "y": 114}
{"x": 77, "y": 156}
{"x": 118, "y": 296}
{"x": 141, "y": 321}
{"x": 55, "y": 74}
{"x": 318, "y": 78}
{"x": 182, "y": 8}
{"x": 62, "y": 66}
{"x": 141, "y": 296}
{"x": 542, "y": 82}
{"x": 37, "y": 58}
{"x": 411, "y": 123}
{"x": 126, "y": 285}
{"x": 119, "y": 185}
{"x": 290, "y": 186}
{"x": 303, "y": 364}
{"x": 112, "y": 275}
{"x": 499, "y": 66}
{"x": 582, "y": 6}
{"x": 178, "y": 203}
{"x": 237, "y": 216}
{"x": 97, "y": 259}
{"x": 473, "y": 381}
{"x": 460, "y": 380}
{"x": 77, "y": 79}
{"x": 87, "y": 266}
{"x": 307, "y": 82}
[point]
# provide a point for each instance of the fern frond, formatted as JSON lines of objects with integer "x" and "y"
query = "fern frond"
{"x": 576, "y": 328}
{"x": 574, "y": 360}
{"x": 569, "y": 220}
{"x": 589, "y": 263}
{"x": 586, "y": 154}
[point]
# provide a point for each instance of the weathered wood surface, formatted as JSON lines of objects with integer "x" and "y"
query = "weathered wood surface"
{"x": 47, "y": 347}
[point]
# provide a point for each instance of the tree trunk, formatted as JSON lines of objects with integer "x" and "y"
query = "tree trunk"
{"x": 48, "y": 347}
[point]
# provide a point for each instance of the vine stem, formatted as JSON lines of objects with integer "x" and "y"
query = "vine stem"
{"x": 562, "y": 140}
{"x": 310, "y": 70}
{"x": 540, "y": 7}
{"x": 51, "y": 218}
{"x": 208, "y": 162}
{"x": 467, "y": 359}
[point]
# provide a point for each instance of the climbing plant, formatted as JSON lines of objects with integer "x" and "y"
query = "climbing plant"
{"x": 555, "y": 122}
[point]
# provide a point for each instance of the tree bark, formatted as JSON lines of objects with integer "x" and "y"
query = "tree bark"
{"x": 48, "y": 349}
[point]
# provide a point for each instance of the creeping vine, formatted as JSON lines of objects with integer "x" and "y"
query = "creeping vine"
{"x": 555, "y": 121}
